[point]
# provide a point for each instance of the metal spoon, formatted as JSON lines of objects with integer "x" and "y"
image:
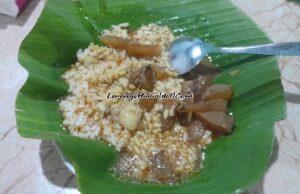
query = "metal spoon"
{"x": 186, "y": 53}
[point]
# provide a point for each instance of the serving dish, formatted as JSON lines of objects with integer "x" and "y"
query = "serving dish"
{"x": 257, "y": 103}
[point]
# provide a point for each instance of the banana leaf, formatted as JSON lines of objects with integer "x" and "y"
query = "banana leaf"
{"x": 232, "y": 163}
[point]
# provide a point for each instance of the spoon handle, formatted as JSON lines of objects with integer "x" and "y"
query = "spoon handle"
{"x": 284, "y": 49}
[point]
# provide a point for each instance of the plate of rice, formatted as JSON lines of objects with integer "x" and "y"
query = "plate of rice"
{"x": 101, "y": 87}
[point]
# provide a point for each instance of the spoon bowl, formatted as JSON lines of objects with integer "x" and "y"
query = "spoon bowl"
{"x": 185, "y": 52}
